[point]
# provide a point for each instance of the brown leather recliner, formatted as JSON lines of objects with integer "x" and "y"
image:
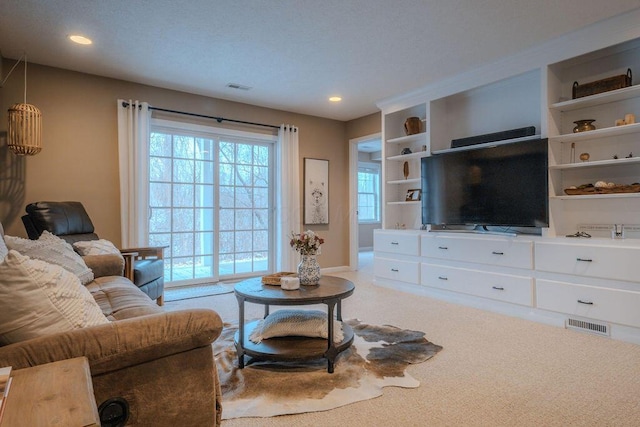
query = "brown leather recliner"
{"x": 70, "y": 221}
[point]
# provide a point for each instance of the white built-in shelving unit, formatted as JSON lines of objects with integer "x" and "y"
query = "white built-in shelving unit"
{"x": 397, "y": 210}
{"x": 609, "y": 146}
{"x": 531, "y": 89}
{"x": 551, "y": 277}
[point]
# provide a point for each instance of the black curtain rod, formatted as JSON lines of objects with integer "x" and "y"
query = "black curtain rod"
{"x": 218, "y": 119}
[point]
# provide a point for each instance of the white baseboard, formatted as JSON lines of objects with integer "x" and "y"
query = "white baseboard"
{"x": 335, "y": 269}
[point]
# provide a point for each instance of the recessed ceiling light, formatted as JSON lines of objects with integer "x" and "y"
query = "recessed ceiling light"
{"x": 80, "y": 39}
{"x": 335, "y": 99}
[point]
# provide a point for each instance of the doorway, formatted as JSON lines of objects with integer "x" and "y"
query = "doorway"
{"x": 365, "y": 195}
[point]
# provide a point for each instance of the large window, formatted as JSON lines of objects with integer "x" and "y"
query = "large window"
{"x": 211, "y": 202}
{"x": 368, "y": 192}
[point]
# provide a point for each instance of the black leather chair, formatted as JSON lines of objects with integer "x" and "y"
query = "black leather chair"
{"x": 70, "y": 221}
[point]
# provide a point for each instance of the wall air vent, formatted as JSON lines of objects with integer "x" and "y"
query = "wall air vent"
{"x": 588, "y": 326}
{"x": 238, "y": 86}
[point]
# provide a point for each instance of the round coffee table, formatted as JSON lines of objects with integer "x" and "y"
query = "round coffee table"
{"x": 330, "y": 291}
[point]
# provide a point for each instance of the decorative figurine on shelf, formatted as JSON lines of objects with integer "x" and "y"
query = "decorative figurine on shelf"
{"x": 405, "y": 170}
{"x": 406, "y": 151}
{"x": 617, "y": 232}
{"x": 629, "y": 119}
{"x": 584, "y": 157}
{"x": 629, "y": 156}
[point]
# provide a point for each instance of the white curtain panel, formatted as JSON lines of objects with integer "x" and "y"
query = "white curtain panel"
{"x": 133, "y": 153}
{"x": 288, "y": 197}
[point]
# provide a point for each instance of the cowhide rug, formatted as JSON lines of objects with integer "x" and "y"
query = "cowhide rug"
{"x": 377, "y": 359}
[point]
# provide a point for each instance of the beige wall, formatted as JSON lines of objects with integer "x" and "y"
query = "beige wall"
{"x": 79, "y": 160}
{"x": 367, "y": 125}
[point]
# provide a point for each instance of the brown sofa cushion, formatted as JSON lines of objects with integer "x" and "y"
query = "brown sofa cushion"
{"x": 120, "y": 299}
{"x": 105, "y": 265}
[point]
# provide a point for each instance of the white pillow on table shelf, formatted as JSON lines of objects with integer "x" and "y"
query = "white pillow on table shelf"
{"x": 302, "y": 323}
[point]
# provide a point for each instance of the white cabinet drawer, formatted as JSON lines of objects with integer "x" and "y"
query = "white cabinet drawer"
{"x": 502, "y": 287}
{"x": 611, "y": 305}
{"x": 404, "y": 271}
{"x": 397, "y": 243}
{"x": 501, "y": 252}
{"x": 608, "y": 262}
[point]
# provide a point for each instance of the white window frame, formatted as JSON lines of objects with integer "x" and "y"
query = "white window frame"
{"x": 216, "y": 133}
{"x": 377, "y": 166}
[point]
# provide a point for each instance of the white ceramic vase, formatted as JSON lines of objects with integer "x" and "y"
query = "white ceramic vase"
{"x": 309, "y": 270}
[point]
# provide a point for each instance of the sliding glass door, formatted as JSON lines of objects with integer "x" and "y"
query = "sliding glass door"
{"x": 211, "y": 202}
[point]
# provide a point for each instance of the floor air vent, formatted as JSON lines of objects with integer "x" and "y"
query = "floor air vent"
{"x": 588, "y": 326}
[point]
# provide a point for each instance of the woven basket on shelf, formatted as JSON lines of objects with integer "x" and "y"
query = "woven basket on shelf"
{"x": 633, "y": 188}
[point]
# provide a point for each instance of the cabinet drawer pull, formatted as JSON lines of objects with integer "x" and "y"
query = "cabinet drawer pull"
{"x": 498, "y": 288}
{"x": 443, "y": 278}
{"x": 497, "y": 253}
{"x": 584, "y": 259}
{"x": 585, "y": 302}
{"x": 443, "y": 247}
{"x": 394, "y": 243}
{"x": 395, "y": 270}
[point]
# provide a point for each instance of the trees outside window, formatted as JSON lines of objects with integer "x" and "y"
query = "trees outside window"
{"x": 368, "y": 192}
{"x": 211, "y": 203}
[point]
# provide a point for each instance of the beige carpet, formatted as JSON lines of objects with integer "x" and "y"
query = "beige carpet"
{"x": 495, "y": 371}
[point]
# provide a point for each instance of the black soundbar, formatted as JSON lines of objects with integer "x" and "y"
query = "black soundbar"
{"x": 492, "y": 137}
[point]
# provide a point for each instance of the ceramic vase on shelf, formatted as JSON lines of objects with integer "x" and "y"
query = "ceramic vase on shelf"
{"x": 412, "y": 126}
{"x": 584, "y": 125}
{"x": 309, "y": 270}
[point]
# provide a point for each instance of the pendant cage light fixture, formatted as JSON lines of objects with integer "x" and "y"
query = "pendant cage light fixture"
{"x": 24, "y": 135}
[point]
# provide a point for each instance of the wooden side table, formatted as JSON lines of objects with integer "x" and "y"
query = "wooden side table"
{"x": 55, "y": 394}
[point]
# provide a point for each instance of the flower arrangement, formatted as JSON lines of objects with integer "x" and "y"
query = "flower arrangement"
{"x": 307, "y": 243}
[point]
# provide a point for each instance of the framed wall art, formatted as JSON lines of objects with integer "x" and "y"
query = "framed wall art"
{"x": 413, "y": 195}
{"x": 316, "y": 191}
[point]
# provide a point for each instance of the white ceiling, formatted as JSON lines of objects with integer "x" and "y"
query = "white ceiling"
{"x": 293, "y": 53}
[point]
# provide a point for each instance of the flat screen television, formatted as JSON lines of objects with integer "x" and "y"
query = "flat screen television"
{"x": 497, "y": 185}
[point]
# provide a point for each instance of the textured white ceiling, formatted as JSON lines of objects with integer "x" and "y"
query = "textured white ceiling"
{"x": 293, "y": 53}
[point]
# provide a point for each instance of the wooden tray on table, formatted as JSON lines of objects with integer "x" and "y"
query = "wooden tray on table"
{"x": 274, "y": 279}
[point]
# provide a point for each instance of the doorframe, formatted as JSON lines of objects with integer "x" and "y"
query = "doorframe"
{"x": 353, "y": 197}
